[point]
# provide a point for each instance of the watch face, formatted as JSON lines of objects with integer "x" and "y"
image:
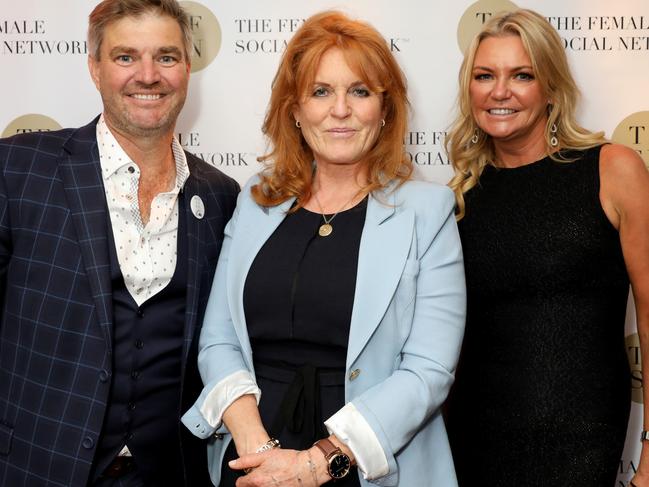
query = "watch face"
{"x": 339, "y": 466}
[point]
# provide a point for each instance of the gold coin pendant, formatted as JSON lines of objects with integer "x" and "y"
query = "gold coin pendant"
{"x": 325, "y": 230}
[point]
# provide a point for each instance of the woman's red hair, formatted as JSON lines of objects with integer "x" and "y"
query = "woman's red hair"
{"x": 289, "y": 164}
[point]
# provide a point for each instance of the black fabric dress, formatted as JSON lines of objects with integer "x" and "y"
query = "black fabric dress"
{"x": 298, "y": 301}
{"x": 542, "y": 394}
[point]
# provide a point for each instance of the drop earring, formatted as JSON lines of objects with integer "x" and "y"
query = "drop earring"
{"x": 553, "y": 139}
{"x": 476, "y": 136}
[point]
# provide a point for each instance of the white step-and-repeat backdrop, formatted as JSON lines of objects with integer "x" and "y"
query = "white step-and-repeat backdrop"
{"x": 44, "y": 81}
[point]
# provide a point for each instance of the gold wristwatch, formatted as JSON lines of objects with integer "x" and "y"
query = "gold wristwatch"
{"x": 338, "y": 463}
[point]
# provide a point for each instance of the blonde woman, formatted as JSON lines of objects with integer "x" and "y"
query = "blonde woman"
{"x": 554, "y": 223}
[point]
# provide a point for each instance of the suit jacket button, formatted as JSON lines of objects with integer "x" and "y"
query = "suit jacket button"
{"x": 354, "y": 373}
{"x": 88, "y": 443}
{"x": 103, "y": 376}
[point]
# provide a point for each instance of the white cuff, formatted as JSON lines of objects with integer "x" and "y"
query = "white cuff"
{"x": 351, "y": 428}
{"x": 225, "y": 393}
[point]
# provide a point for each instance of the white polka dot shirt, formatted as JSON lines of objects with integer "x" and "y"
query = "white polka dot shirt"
{"x": 146, "y": 254}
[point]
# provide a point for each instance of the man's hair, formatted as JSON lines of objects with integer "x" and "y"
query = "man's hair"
{"x": 109, "y": 11}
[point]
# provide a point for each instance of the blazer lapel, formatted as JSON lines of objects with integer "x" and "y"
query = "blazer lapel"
{"x": 80, "y": 172}
{"x": 250, "y": 237}
{"x": 195, "y": 229}
{"x": 384, "y": 248}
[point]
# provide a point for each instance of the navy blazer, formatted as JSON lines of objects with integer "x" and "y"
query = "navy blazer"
{"x": 56, "y": 308}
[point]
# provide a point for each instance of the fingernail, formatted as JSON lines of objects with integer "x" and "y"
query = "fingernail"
{"x": 232, "y": 463}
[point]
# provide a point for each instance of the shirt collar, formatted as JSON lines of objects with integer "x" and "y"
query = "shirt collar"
{"x": 112, "y": 157}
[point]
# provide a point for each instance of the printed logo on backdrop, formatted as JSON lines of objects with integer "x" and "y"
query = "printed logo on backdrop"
{"x": 263, "y": 35}
{"x": 29, "y": 36}
{"x": 633, "y": 131}
{"x": 32, "y": 122}
{"x": 191, "y": 141}
{"x": 593, "y": 33}
{"x": 476, "y": 15}
{"x": 632, "y": 343}
{"x": 206, "y": 32}
{"x": 426, "y": 147}
{"x": 578, "y": 33}
{"x": 271, "y": 35}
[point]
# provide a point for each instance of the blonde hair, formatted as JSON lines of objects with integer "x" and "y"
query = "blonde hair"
{"x": 550, "y": 65}
{"x": 289, "y": 163}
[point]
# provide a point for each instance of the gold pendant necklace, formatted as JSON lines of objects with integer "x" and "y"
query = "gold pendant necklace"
{"x": 326, "y": 229}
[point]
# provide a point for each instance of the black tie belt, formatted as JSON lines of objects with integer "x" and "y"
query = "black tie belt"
{"x": 299, "y": 410}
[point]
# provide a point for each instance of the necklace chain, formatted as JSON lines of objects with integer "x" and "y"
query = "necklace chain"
{"x": 326, "y": 229}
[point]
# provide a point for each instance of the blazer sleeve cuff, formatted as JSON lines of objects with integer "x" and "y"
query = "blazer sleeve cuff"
{"x": 351, "y": 428}
{"x": 206, "y": 416}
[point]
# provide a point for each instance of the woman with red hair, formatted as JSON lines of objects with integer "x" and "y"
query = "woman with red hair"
{"x": 337, "y": 309}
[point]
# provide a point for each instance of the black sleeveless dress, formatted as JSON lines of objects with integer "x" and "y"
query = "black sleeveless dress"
{"x": 298, "y": 299}
{"x": 542, "y": 394}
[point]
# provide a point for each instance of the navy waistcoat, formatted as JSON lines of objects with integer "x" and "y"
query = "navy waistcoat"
{"x": 145, "y": 399}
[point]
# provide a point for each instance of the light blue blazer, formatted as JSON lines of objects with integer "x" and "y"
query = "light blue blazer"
{"x": 406, "y": 327}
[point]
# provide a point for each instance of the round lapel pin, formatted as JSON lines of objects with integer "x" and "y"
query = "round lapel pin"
{"x": 197, "y": 206}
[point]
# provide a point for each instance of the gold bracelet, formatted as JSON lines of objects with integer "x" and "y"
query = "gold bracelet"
{"x": 269, "y": 445}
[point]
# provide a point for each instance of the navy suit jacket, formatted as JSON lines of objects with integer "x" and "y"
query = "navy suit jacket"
{"x": 56, "y": 303}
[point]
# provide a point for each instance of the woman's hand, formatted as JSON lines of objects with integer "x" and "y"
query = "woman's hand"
{"x": 282, "y": 468}
{"x": 244, "y": 423}
{"x": 641, "y": 478}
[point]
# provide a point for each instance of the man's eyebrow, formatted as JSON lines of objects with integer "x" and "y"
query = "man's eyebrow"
{"x": 130, "y": 50}
{"x": 169, "y": 50}
{"x": 122, "y": 50}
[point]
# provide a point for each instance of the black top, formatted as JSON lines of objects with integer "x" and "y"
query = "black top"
{"x": 298, "y": 300}
{"x": 299, "y": 292}
{"x": 543, "y": 371}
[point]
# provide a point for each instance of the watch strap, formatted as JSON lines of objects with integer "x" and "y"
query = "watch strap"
{"x": 338, "y": 462}
{"x": 327, "y": 447}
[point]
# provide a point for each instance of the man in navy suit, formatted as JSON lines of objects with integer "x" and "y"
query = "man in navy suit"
{"x": 109, "y": 236}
